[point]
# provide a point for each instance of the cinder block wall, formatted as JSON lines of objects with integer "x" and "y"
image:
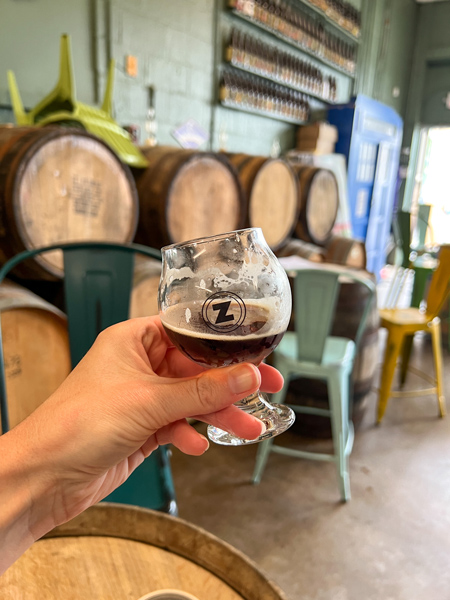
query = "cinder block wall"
{"x": 174, "y": 43}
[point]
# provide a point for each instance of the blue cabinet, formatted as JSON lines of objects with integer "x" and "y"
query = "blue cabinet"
{"x": 370, "y": 136}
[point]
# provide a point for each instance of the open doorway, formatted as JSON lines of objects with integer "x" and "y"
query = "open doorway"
{"x": 430, "y": 207}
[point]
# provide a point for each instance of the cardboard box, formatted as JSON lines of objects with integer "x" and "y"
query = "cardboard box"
{"x": 316, "y": 147}
{"x": 319, "y": 137}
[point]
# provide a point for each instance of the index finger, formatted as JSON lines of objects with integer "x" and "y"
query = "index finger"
{"x": 177, "y": 364}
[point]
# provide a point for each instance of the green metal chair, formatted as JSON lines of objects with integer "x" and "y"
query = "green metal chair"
{"x": 311, "y": 352}
{"x": 97, "y": 287}
{"x": 418, "y": 259}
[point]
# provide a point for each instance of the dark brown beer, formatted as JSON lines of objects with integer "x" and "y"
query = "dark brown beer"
{"x": 214, "y": 349}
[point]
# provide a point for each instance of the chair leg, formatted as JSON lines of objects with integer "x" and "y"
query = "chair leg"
{"x": 338, "y": 393}
{"x": 406, "y": 355}
{"x": 448, "y": 326}
{"x": 437, "y": 354}
{"x": 393, "y": 347}
{"x": 261, "y": 459}
{"x": 265, "y": 446}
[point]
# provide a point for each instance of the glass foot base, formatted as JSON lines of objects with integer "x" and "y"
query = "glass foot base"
{"x": 277, "y": 418}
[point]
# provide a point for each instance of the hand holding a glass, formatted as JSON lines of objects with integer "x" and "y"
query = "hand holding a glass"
{"x": 224, "y": 300}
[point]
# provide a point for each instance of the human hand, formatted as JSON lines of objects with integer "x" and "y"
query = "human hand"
{"x": 130, "y": 393}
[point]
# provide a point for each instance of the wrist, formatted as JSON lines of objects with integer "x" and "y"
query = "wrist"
{"x": 26, "y": 495}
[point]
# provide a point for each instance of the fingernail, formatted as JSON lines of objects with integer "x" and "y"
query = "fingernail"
{"x": 263, "y": 427}
{"x": 207, "y": 444}
{"x": 242, "y": 378}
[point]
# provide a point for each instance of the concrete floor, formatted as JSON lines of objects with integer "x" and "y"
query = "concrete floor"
{"x": 390, "y": 542}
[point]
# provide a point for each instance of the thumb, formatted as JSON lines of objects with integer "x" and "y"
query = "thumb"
{"x": 209, "y": 396}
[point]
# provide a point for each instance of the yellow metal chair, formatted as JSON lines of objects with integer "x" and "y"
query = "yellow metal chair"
{"x": 402, "y": 324}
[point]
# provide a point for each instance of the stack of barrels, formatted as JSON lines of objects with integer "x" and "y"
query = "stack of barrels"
{"x": 186, "y": 194}
{"x": 62, "y": 184}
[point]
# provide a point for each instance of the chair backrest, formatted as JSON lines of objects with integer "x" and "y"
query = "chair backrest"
{"x": 97, "y": 284}
{"x": 439, "y": 286}
{"x": 316, "y": 293}
{"x": 423, "y": 218}
{"x": 404, "y": 225}
{"x": 398, "y": 242}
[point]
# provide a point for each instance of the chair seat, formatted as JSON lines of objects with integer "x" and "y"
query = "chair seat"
{"x": 404, "y": 316}
{"x": 425, "y": 261}
{"x": 337, "y": 351}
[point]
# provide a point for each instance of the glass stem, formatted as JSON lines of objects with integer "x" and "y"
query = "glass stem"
{"x": 258, "y": 406}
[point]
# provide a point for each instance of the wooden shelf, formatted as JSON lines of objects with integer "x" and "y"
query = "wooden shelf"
{"x": 261, "y": 113}
{"x": 291, "y": 43}
{"x": 280, "y": 82}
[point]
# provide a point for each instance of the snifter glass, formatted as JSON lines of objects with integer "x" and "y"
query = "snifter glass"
{"x": 223, "y": 300}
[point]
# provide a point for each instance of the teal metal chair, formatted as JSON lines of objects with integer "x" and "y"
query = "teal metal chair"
{"x": 97, "y": 288}
{"x": 311, "y": 352}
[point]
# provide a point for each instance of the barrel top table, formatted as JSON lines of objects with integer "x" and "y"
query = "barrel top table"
{"x": 119, "y": 552}
{"x": 292, "y": 263}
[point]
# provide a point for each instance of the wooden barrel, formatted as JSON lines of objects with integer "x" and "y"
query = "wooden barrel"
{"x": 36, "y": 349}
{"x": 319, "y": 204}
{"x": 272, "y": 195}
{"x": 60, "y": 185}
{"x": 346, "y": 251}
{"x": 117, "y": 552}
{"x": 186, "y": 194}
{"x": 144, "y": 295}
{"x": 313, "y": 393}
{"x": 295, "y": 247}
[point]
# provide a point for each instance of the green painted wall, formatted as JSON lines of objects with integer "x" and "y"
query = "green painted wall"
{"x": 430, "y": 81}
{"x": 177, "y": 53}
{"x": 29, "y": 45}
{"x": 386, "y": 55}
{"x": 174, "y": 42}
